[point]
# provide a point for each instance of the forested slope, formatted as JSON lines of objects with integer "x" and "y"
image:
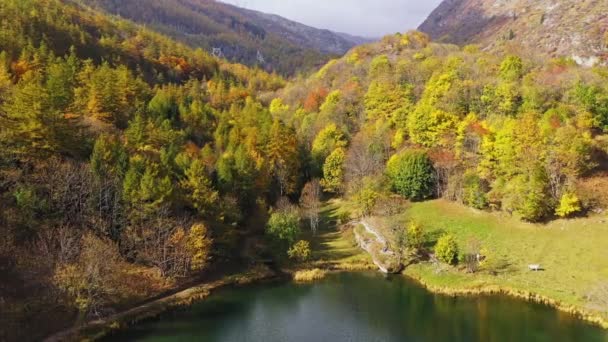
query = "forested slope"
{"x": 501, "y": 132}
{"x": 121, "y": 153}
{"x": 245, "y": 36}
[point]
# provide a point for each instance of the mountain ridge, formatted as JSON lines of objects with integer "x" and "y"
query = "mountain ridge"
{"x": 240, "y": 35}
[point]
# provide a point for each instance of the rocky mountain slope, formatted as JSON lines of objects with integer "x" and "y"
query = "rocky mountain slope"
{"x": 240, "y": 35}
{"x": 574, "y": 28}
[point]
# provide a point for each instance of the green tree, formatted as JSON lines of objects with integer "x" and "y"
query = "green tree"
{"x": 380, "y": 66}
{"x": 333, "y": 171}
{"x": 366, "y": 199}
{"x": 412, "y": 175}
{"x": 528, "y": 195}
{"x": 198, "y": 187}
{"x": 512, "y": 68}
{"x": 109, "y": 157}
{"x": 61, "y": 81}
{"x": 31, "y": 126}
{"x": 474, "y": 191}
{"x": 594, "y": 99}
{"x": 284, "y": 226}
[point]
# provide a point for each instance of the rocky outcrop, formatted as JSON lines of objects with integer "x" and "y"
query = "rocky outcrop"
{"x": 376, "y": 245}
{"x": 551, "y": 27}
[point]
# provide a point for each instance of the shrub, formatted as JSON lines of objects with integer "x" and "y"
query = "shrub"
{"x": 300, "y": 251}
{"x": 415, "y": 235}
{"x": 568, "y": 205}
{"x": 366, "y": 199}
{"x": 446, "y": 249}
{"x": 412, "y": 175}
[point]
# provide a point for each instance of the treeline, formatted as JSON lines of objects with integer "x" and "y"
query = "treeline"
{"x": 427, "y": 120}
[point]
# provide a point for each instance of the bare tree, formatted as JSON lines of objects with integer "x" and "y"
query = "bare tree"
{"x": 310, "y": 201}
{"x": 364, "y": 159}
{"x": 159, "y": 241}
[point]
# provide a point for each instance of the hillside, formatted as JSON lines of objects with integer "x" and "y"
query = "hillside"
{"x": 103, "y": 129}
{"x": 570, "y": 28}
{"x": 373, "y": 109}
{"x": 240, "y": 35}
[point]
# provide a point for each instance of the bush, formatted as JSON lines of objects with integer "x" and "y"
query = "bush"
{"x": 446, "y": 249}
{"x": 366, "y": 200}
{"x": 412, "y": 175}
{"x": 300, "y": 251}
{"x": 568, "y": 205}
{"x": 415, "y": 235}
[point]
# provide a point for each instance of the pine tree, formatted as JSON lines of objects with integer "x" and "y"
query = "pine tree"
{"x": 198, "y": 187}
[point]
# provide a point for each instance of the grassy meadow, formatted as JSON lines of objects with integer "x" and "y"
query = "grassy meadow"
{"x": 573, "y": 253}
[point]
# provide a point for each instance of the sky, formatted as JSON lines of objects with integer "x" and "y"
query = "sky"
{"x": 367, "y": 18}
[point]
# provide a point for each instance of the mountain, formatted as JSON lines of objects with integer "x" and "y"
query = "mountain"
{"x": 573, "y": 28}
{"x": 240, "y": 35}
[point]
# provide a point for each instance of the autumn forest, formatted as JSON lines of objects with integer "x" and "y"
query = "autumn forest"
{"x": 121, "y": 144}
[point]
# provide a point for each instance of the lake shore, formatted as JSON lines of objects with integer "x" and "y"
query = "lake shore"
{"x": 563, "y": 283}
{"x": 480, "y": 290}
{"x": 336, "y": 250}
{"x": 97, "y": 329}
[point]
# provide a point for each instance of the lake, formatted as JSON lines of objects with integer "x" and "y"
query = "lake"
{"x": 362, "y": 307}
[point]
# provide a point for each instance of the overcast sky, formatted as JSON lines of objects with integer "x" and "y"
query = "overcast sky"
{"x": 369, "y": 18}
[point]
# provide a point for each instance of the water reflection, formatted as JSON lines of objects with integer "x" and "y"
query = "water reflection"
{"x": 360, "y": 307}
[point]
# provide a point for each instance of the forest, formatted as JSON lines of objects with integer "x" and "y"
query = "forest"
{"x": 119, "y": 144}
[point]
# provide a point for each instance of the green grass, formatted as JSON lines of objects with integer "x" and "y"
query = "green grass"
{"x": 335, "y": 248}
{"x": 573, "y": 253}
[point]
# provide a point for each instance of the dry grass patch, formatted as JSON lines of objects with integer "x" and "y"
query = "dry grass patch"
{"x": 309, "y": 275}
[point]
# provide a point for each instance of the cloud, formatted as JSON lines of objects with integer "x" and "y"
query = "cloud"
{"x": 371, "y": 18}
